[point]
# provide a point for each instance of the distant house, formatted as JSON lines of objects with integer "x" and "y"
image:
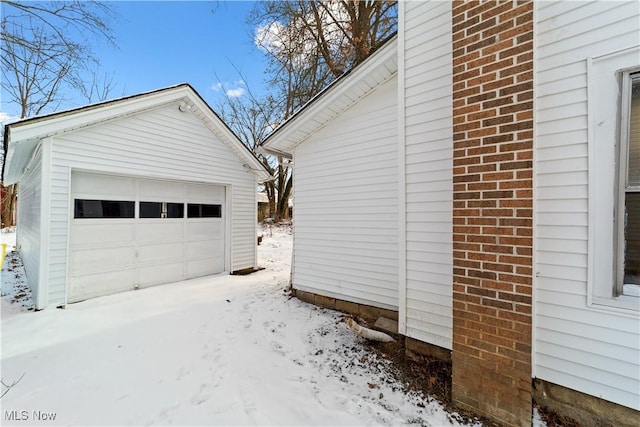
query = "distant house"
{"x": 143, "y": 190}
{"x": 264, "y": 209}
{"x": 263, "y": 206}
{"x": 470, "y": 179}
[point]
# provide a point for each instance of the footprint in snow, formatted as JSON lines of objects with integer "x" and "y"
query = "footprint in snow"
{"x": 278, "y": 348}
{"x": 250, "y": 408}
{"x": 182, "y": 373}
{"x": 201, "y": 396}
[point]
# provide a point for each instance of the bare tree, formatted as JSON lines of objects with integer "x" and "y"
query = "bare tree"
{"x": 63, "y": 20}
{"x": 44, "y": 46}
{"x": 310, "y": 43}
{"x": 32, "y": 75}
{"x": 8, "y": 387}
{"x": 98, "y": 87}
{"x": 252, "y": 119}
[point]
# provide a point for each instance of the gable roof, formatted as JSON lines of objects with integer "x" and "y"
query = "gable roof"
{"x": 340, "y": 95}
{"x": 21, "y": 138}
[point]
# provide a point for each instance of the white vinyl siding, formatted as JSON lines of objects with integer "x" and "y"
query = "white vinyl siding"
{"x": 580, "y": 346}
{"x": 345, "y": 213}
{"x": 160, "y": 143}
{"x": 28, "y": 238}
{"x": 429, "y": 175}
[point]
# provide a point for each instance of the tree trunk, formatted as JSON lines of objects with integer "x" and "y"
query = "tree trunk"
{"x": 8, "y": 204}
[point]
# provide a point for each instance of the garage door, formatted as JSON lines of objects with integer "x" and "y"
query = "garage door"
{"x": 129, "y": 233}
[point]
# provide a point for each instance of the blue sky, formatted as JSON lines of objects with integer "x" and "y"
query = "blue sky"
{"x": 163, "y": 43}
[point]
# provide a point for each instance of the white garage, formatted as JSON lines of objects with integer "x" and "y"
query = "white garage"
{"x": 131, "y": 193}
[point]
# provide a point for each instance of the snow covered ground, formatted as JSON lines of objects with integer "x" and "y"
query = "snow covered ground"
{"x": 222, "y": 350}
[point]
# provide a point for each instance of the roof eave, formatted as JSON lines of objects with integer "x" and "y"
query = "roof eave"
{"x": 274, "y": 152}
{"x": 283, "y": 138}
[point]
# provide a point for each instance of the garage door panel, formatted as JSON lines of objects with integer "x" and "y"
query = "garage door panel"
{"x": 95, "y": 285}
{"x": 204, "y": 229}
{"x": 103, "y": 185}
{"x": 159, "y": 252}
{"x": 113, "y": 231}
{"x": 102, "y": 259}
{"x": 160, "y": 273}
{"x": 161, "y": 230}
{"x": 203, "y": 267}
{"x": 203, "y": 249}
{"x": 160, "y": 191}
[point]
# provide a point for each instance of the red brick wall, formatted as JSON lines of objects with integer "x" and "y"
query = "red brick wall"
{"x": 492, "y": 208}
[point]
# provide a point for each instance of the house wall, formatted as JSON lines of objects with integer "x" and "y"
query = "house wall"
{"x": 579, "y": 344}
{"x": 492, "y": 208}
{"x": 28, "y": 236}
{"x": 427, "y": 119}
{"x": 162, "y": 143}
{"x": 346, "y": 204}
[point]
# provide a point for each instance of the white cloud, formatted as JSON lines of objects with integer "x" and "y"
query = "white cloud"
{"x": 231, "y": 89}
{"x": 269, "y": 37}
{"x": 216, "y": 87}
{"x": 6, "y": 118}
{"x": 235, "y": 93}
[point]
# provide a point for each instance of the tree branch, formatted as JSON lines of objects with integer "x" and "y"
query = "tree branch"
{"x": 10, "y": 386}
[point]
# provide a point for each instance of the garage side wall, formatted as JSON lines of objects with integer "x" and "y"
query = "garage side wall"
{"x": 428, "y": 163}
{"x": 162, "y": 143}
{"x": 28, "y": 238}
{"x": 346, "y": 204}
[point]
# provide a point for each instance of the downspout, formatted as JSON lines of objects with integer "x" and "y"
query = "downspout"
{"x": 402, "y": 190}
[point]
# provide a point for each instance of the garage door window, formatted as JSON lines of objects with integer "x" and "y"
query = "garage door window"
{"x": 161, "y": 210}
{"x": 197, "y": 210}
{"x": 84, "y": 208}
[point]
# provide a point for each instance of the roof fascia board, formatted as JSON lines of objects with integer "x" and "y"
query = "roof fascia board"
{"x": 274, "y": 152}
{"x": 77, "y": 119}
{"x": 276, "y": 140}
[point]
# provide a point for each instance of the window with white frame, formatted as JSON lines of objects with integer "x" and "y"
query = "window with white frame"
{"x": 613, "y": 105}
{"x": 628, "y": 213}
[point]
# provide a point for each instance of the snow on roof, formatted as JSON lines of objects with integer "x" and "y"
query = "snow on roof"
{"x": 262, "y": 198}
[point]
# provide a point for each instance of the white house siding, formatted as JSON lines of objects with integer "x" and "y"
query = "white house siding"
{"x": 162, "y": 143}
{"x": 428, "y": 154}
{"x": 577, "y": 345}
{"x": 28, "y": 234}
{"x": 345, "y": 214}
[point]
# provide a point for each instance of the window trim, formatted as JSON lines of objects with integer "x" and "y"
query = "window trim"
{"x": 603, "y": 133}
{"x": 626, "y": 78}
